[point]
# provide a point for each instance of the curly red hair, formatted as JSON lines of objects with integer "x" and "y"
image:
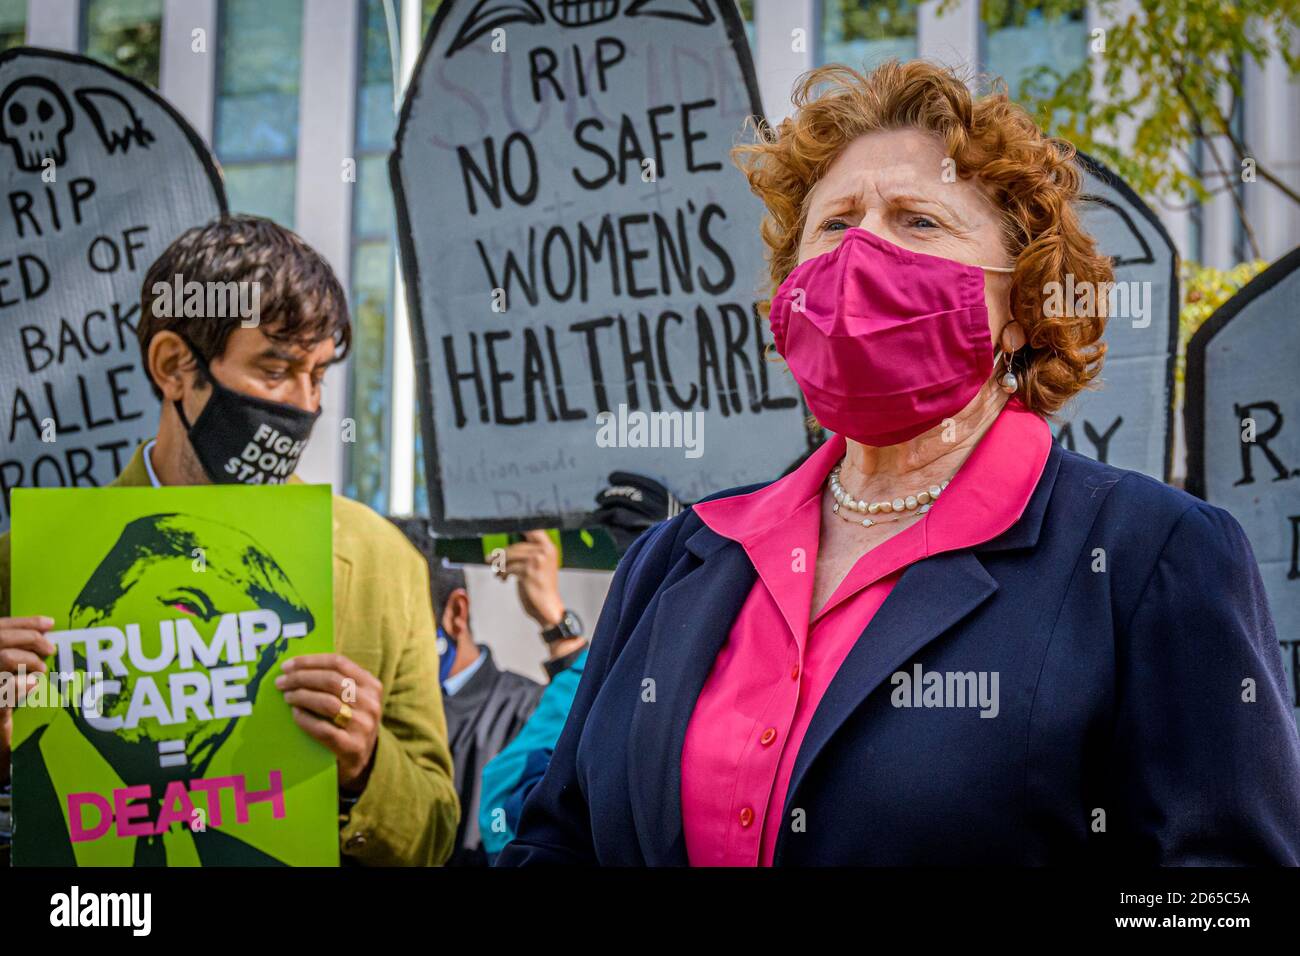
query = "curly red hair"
{"x": 1032, "y": 178}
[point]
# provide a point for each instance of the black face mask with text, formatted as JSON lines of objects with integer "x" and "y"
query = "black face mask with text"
{"x": 240, "y": 439}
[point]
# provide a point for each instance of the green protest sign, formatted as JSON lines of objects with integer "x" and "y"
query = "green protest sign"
{"x": 158, "y": 736}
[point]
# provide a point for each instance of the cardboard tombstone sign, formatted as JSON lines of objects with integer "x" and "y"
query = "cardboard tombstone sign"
{"x": 1128, "y": 421}
{"x": 98, "y": 175}
{"x": 1242, "y": 415}
{"x": 583, "y": 259}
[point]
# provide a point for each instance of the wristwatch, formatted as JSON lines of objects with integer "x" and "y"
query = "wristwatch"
{"x": 570, "y": 626}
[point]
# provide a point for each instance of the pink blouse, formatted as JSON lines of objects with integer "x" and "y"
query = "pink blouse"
{"x": 766, "y": 682}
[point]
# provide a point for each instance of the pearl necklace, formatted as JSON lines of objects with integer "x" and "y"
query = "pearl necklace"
{"x": 910, "y": 506}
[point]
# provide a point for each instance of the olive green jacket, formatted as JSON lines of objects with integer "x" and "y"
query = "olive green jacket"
{"x": 383, "y": 620}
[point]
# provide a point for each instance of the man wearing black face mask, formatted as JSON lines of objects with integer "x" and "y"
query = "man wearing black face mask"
{"x": 240, "y": 393}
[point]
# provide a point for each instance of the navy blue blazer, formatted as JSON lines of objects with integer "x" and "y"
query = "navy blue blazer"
{"x": 1142, "y": 711}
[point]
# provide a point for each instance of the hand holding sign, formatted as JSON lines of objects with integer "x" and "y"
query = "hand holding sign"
{"x": 23, "y": 649}
{"x": 339, "y": 703}
{"x": 24, "y": 646}
{"x": 535, "y": 563}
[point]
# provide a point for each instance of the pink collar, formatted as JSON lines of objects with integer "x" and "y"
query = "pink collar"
{"x": 779, "y": 525}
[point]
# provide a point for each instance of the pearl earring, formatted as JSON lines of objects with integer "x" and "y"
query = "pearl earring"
{"x": 1008, "y": 382}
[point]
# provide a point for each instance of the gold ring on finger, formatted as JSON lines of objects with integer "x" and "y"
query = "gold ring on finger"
{"x": 343, "y": 717}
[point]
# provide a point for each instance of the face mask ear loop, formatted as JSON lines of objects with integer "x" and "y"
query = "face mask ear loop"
{"x": 204, "y": 373}
{"x": 180, "y": 410}
{"x": 1007, "y": 269}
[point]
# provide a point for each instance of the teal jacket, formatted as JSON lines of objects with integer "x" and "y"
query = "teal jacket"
{"x": 511, "y": 775}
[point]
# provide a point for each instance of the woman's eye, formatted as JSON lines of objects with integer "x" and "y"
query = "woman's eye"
{"x": 834, "y": 225}
{"x": 922, "y": 222}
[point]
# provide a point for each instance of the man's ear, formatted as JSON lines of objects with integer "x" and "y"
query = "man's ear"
{"x": 170, "y": 364}
{"x": 455, "y": 613}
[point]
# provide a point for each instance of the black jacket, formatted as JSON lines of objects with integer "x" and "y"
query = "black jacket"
{"x": 482, "y": 717}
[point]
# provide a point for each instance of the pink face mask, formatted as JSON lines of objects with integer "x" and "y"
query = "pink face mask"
{"x": 884, "y": 342}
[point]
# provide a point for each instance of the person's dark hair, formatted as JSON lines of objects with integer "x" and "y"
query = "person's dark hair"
{"x": 445, "y": 578}
{"x": 301, "y": 301}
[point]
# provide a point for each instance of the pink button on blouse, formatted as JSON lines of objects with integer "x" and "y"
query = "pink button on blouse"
{"x": 766, "y": 682}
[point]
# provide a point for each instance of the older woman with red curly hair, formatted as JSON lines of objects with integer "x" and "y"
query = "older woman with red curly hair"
{"x": 943, "y": 638}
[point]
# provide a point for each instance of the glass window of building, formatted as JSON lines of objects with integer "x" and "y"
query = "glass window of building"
{"x": 374, "y": 271}
{"x": 13, "y": 23}
{"x": 124, "y": 34}
{"x": 256, "y": 128}
{"x": 1018, "y": 41}
{"x": 863, "y": 33}
{"x": 373, "y": 264}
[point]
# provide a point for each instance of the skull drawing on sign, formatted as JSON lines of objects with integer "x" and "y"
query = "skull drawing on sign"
{"x": 581, "y": 13}
{"x": 34, "y": 119}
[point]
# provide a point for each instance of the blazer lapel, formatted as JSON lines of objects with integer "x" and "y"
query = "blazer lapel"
{"x": 691, "y": 623}
{"x": 931, "y": 597}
